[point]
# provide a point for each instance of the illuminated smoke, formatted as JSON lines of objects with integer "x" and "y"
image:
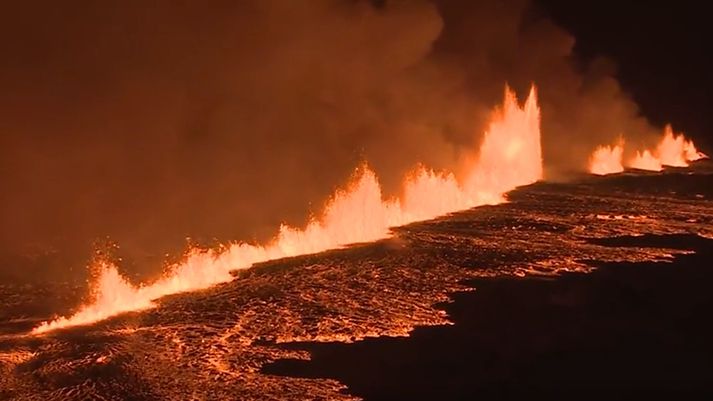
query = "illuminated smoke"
{"x": 510, "y": 156}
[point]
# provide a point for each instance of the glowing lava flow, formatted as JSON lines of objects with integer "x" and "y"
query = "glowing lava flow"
{"x": 673, "y": 150}
{"x": 510, "y": 156}
{"x": 606, "y": 160}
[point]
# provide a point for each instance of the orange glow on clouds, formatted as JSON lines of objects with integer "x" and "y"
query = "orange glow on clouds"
{"x": 510, "y": 155}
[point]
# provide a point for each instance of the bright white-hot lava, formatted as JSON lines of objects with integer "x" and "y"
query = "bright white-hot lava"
{"x": 606, "y": 160}
{"x": 645, "y": 161}
{"x": 672, "y": 150}
{"x": 675, "y": 150}
{"x": 510, "y": 155}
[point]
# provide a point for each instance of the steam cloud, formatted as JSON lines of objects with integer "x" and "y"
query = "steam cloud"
{"x": 150, "y": 122}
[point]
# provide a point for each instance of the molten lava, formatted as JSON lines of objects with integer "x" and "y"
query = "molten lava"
{"x": 606, "y": 160}
{"x": 673, "y": 150}
{"x": 510, "y": 156}
{"x": 645, "y": 161}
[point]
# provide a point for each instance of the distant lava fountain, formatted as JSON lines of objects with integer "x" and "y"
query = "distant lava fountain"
{"x": 672, "y": 150}
{"x": 510, "y": 156}
{"x": 646, "y": 161}
{"x": 606, "y": 160}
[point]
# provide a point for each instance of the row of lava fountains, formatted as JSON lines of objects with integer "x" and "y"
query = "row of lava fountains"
{"x": 509, "y": 156}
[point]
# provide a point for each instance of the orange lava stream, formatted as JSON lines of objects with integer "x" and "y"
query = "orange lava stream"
{"x": 510, "y": 156}
{"x": 672, "y": 150}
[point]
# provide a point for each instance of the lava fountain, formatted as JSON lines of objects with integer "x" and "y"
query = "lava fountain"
{"x": 672, "y": 150}
{"x": 607, "y": 160}
{"x": 645, "y": 161}
{"x": 675, "y": 150}
{"x": 510, "y": 156}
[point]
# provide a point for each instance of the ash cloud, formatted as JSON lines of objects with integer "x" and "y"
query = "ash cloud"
{"x": 152, "y": 121}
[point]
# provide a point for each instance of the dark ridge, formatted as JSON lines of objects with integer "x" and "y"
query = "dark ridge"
{"x": 670, "y": 183}
{"x": 672, "y": 241}
{"x": 625, "y": 331}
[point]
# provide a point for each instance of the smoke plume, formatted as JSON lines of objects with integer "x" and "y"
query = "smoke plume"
{"x": 150, "y": 122}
